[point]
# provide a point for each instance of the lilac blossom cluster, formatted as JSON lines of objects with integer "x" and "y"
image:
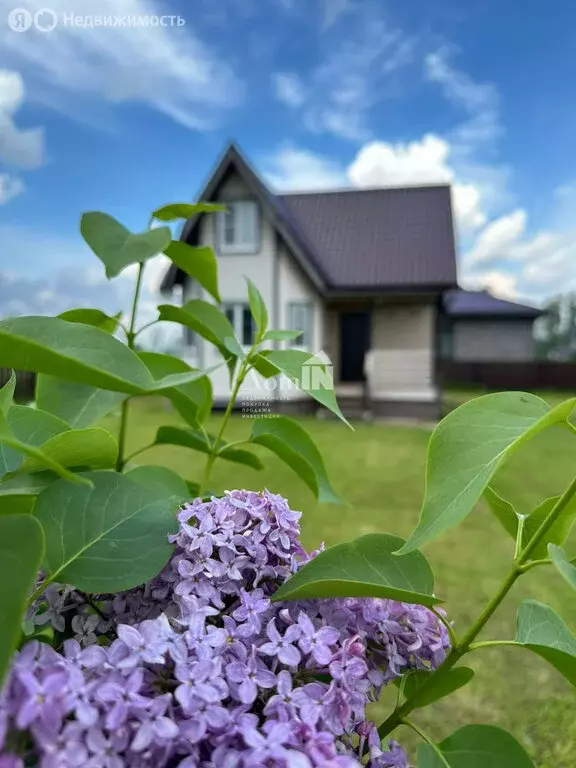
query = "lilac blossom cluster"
{"x": 200, "y": 669}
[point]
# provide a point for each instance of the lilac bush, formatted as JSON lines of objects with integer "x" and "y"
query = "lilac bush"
{"x": 140, "y": 629}
{"x": 200, "y": 668}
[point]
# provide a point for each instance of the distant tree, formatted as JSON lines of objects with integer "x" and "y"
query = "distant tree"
{"x": 556, "y": 330}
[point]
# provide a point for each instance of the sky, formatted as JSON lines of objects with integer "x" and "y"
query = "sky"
{"x": 318, "y": 94}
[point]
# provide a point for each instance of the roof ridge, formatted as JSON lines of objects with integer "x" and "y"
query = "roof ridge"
{"x": 344, "y": 190}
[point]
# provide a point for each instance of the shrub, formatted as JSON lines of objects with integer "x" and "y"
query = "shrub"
{"x": 140, "y": 627}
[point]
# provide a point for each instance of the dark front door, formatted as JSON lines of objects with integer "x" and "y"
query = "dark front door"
{"x": 354, "y": 343}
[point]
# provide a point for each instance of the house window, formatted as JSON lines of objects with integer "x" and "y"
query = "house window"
{"x": 240, "y": 318}
{"x": 238, "y": 227}
{"x": 300, "y": 318}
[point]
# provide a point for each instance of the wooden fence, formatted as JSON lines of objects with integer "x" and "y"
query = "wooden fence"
{"x": 500, "y": 376}
{"x": 25, "y": 383}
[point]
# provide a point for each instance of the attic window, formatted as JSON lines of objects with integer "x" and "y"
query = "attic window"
{"x": 238, "y": 227}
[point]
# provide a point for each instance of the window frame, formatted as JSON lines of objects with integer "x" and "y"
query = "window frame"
{"x": 306, "y": 344}
{"x": 238, "y": 309}
{"x": 222, "y": 221}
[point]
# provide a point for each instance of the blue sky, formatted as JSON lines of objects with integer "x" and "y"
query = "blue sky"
{"x": 318, "y": 93}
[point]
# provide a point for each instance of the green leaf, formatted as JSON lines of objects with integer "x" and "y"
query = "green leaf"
{"x": 257, "y": 308}
{"x": 188, "y": 438}
{"x": 116, "y": 246}
{"x": 444, "y": 685}
{"x": 162, "y": 481}
{"x": 21, "y": 548}
{"x": 30, "y": 426}
{"x": 16, "y": 505}
{"x": 94, "y": 447}
{"x": 174, "y": 211}
{"x": 7, "y": 394}
{"x": 193, "y": 401}
{"x": 25, "y": 429}
{"x": 559, "y": 531}
{"x": 365, "y": 567}
{"x": 291, "y": 443}
{"x": 203, "y": 318}
{"x": 79, "y": 405}
{"x": 110, "y": 537}
{"x": 72, "y": 351}
{"x": 26, "y": 485}
{"x": 260, "y": 363}
{"x": 466, "y": 449}
{"x": 542, "y": 631}
{"x": 94, "y": 317}
{"x": 503, "y": 511}
{"x": 281, "y": 335}
{"x": 313, "y": 378}
{"x": 79, "y": 353}
{"x": 199, "y": 262}
{"x": 193, "y": 488}
{"x": 563, "y": 565}
{"x": 475, "y": 746}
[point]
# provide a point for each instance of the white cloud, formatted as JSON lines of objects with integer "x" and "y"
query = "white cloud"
{"x": 289, "y": 89}
{"x": 168, "y": 68}
{"x": 355, "y": 70}
{"x": 479, "y": 100}
{"x": 333, "y": 10}
{"x": 22, "y": 148}
{"x": 10, "y": 187}
{"x": 500, "y": 284}
{"x": 418, "y": 162}
{"x": 498, "y": 237}
{"x": 294, "y": 169}
{"x": 467, "y": 201}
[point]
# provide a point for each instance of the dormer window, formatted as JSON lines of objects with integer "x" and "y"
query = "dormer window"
{"x": 238, "y": 227}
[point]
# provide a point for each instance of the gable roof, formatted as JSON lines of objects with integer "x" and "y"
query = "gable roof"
{"x": 380, "y": 238}
{"x": 461, "y": 303}
{"x": 352, "y": 241}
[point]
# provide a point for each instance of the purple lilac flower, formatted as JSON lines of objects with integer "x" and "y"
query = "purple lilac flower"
{"x": 198, "y": 668}
{"x": 282, "y": 646}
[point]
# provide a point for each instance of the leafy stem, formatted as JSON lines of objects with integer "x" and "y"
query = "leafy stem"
{"x": 424, "y": 736}
{"x": 491, "y": 644}
{"x": 130, "y": 336}
{"x": 440, "y": 616}
{"x": 214, "y": 446}
{"x": 534, "y": 563}
{"x": 144, "y": 327}
{"x": 467, "y": 642}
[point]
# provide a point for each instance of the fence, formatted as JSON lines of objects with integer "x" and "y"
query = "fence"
{"x": 25, "y": 383}
{"x": 500, "y": 376}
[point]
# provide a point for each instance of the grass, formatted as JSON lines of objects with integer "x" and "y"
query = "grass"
{"x": 379, "y": 470}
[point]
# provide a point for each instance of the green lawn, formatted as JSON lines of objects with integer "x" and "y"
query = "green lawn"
{"x": 379, "y": 470}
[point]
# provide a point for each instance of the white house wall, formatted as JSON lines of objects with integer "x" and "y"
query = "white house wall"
{"x": 277, "y": 277}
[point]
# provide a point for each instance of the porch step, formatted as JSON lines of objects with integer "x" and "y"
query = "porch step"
{"x": 352, "y": 407}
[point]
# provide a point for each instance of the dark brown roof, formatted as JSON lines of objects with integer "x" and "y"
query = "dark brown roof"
{"x": 376, "y": 240}
{"x": 379, "y": 238}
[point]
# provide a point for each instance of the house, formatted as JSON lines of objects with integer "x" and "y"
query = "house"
{"x": 478, "y": 327}
{"x": 361, "y": 273}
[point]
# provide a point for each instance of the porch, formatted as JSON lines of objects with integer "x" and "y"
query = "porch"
{"x": 383, "y": 353}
